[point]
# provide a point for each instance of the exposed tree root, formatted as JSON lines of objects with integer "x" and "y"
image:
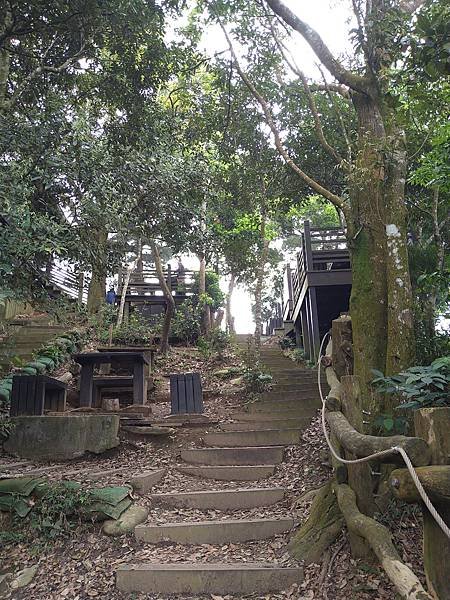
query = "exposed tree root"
{"x": 379, "y": 538}
{"x": 322, "y": 527}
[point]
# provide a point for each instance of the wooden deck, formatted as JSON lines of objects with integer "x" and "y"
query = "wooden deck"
{"x": 318, "y": 288}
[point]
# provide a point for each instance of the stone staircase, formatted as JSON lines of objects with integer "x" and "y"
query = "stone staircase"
{"x": 27, "y": 336}
{"x": 246, "y": 449}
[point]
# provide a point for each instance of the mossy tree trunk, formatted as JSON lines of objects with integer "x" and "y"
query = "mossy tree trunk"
{"x": 381, "y": 299}
{"x": 229, "y": 316}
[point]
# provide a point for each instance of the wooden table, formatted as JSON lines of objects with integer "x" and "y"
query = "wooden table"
{"x": 135, "y": 361}
{"x": 149, "y": 350}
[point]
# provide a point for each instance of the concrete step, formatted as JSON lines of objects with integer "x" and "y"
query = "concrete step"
{"x": 269, "y": 417}
{"x": 213, "y": 532}
{"x": 265, "y": 455}
{"x": 268, "y": 437}
{"x": 277, "y": 405}
{"x": 292, "y": 386}
{"x": 207, "y": 578}
{"x": 293, "y": 396}
{"x": 231, "y": 473}
{"x": 222, "y": 499}
{"x": 252, "y": 425}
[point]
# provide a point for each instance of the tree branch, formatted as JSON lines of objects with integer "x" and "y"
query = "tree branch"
{"x": 352, "y": 80}
{"x": 333, "y": 198}
{"x": 331, "y": 87}
{"x": 290, "y": 61}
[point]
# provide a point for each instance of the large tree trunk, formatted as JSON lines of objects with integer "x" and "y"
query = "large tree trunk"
{"x": 229, "y": 316}
{"x": 381, "y": 299}
{"x": 170, "y": 308}
{"x": 97, "y": 285}
{"x": 206, "y": 312}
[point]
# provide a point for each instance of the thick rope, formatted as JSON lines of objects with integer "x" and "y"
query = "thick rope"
{"x": 437, "y": 517}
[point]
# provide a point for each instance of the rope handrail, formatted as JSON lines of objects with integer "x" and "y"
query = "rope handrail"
{"x": 437, "y": 517}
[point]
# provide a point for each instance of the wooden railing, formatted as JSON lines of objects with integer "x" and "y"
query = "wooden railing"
{"x": 67, "y": 280}
{"x": 320, "y": 250}
{"x": 146, "y": 282}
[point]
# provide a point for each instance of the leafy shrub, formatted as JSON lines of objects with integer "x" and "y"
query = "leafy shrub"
{"x": 186, "y": 322}
{"x": 286, "y": 343}
{"x": 419, "y": 386}
{"x": 386, "y": 424}
{"x": 134, "y": 332}
{"x": 297, "y": 355}
{"x": 256, "y": 380}
{"x": 216, "y": 342}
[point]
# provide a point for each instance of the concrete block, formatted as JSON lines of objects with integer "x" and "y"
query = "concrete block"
{"x": 265, "y": 455}
{"x": 231, "y": 473}
{"x": 144, "y": 482}
{"x": 208, "y": 578}
{"x": 222, "y": 499}
{"x": 62, "y": 437}
{"x": 213, "y": 532}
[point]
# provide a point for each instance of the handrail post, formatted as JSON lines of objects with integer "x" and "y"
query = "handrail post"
{"x": 169, "y": 276}
{"x": 307, "y": 245}
{"x": 80, "y": 287}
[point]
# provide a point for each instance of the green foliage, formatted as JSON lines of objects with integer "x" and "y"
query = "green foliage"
{"x": 386, "y": 425}
{"x": 418, "y": 387}
{"x": 57, "y": 511}
{"x": 185, "y": 324}
{"x": 215, "y": 343}
{"x": 297, "y": 355}
{"x": 215, "y": 297}
{"x": 257, "y": 380}
{"x": 286, "y": 343}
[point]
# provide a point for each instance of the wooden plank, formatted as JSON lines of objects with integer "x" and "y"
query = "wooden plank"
{"x": 190, "y": 405}
{"x": 173, "y": 394}
{"x": 198, "y": 394}
{"x": 14, "y": 407}
{"x": 182, "y": 407}
{"x": 86, "y": 376}
{"x": 40, "y": 395}
{"x": 138, "y": 383}
{"x": 31, "y": 396}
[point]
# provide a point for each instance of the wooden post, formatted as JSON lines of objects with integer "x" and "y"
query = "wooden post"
{"x": 80, "y": 288}
{"x": 307, "y": 246}
{"x": 305, "y": 330}
{"x": 359, "y": 475}
{"x": 436, "y": 546}
{"x": 342, "y": 355}
{"x": 169, "y": 277}
{"x": 314, "y": 322}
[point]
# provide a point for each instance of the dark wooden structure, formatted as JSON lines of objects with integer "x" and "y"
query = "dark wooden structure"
{"x": 317, "y": 289}
{"x": 186, "y": 393}
{"x": 32, "y": 394}
{"x": 136, "y": 362}
{"x": 144, "y": 291}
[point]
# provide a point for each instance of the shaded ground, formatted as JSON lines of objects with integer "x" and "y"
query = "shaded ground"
{"x": 83, "y": 566}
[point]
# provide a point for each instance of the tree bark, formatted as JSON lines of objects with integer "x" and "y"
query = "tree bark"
{"x": 229, "y": 316}
{"x": 322, "y": 527}
{"x": 379, "y": 538}
{"x": 170, "y": 302}
{"x": 363, "y": 445}
{"x": 97, "y": 285}
{"x": 435, "y": 480}
{"x": 126, "y": 281}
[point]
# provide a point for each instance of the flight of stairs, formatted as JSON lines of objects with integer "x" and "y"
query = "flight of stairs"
{"x": 247, "y": 449}
{"x": 27, "y": 336}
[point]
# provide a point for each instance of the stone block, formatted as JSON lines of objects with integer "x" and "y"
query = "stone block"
{"x": 62, "y": 437}
{"x": 144, "y": 482}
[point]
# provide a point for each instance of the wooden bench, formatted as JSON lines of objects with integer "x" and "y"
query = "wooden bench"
{"x": 32, "y": 394}
{"x": 186, "y": 393}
